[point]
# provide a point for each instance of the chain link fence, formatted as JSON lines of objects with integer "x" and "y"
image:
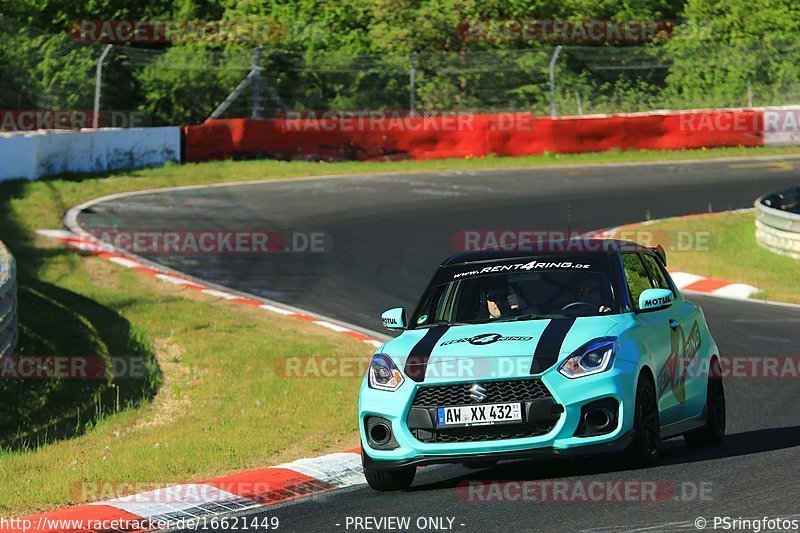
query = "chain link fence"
{"x": 187, "y": 84}
{"x": 558, "y": 81}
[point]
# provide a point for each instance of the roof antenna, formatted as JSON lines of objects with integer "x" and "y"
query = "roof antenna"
{"x": 569, "y": 221}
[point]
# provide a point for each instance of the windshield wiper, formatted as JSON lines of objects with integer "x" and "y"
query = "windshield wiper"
{"x": 441, "y": 323}
{"x": 530, "y": 316}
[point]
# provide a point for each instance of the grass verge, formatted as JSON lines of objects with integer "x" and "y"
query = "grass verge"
{"x": 212, "y": 401}
{"x": 727, "y": 250}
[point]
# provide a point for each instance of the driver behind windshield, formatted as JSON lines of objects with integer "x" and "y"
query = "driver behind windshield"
{"x": 589, "y": 291}
{"x": 504, "y": 302}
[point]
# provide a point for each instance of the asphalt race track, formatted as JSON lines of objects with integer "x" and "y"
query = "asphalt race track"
{"x": 386, "y": 233}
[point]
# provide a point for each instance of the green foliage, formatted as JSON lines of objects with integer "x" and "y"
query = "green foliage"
{"x": 187, "y": 81}
{"x": 65, "y": 80}
{"x": 43, "y": 70}
{"x": 726, "y": 48}
{"x": 356, "y": 56}
{"x": 13, "y": 77}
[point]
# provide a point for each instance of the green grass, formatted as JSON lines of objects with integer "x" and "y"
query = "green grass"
{"x": 220, "y": 406}
{"x": 212, "y": 401}
{"x": 731, "y": 253}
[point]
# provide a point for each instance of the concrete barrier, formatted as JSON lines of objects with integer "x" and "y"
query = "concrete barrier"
{"x": 781, "y": 126}
{"x": 777, "y": 226}
{"x": 32, "y": 155}
{"x": 508, "y": 134}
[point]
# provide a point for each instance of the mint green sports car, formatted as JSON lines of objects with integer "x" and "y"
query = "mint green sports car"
{"x": 567, "y": 348}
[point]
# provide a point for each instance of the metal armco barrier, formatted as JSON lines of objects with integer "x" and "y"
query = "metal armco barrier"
{"x": 8, "y": 302}
{"x": 778, "y": 222}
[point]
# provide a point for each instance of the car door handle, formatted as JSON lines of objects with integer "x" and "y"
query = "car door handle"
{"x": 673, "y": 324}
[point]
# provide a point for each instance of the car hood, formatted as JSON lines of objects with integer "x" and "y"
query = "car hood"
{"x": 494, "y": 350}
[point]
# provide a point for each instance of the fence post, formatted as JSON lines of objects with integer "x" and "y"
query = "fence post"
{"x": 412, "y": 78}
{"x": 749, "y": 94}
{"x": 9, "y": 331}
{"x": 98, "y": 86}
{"x": 553, "y": 81}
{"x": 580, "y": 104}
{"x": 254, "y": 74}
{"x": 255, "y": 99}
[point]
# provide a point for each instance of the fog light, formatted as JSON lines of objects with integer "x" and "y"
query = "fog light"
{"x": 598, "y": 418}
{"x": 379, "y": 433}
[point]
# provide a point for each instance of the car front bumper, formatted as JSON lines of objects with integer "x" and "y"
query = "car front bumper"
{"x": 569, "y": 394}
{"x": 617, "y": 445}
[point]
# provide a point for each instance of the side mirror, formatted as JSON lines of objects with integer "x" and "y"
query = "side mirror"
{"x": 655, "y": 299}
{"x": 394, "y": 318}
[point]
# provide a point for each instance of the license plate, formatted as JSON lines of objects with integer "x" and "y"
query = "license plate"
{"x": 479, "y": 415}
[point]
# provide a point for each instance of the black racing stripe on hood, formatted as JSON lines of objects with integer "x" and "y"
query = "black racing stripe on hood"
{"x": 549, "y": 345}
{"x": 417, "y": 360}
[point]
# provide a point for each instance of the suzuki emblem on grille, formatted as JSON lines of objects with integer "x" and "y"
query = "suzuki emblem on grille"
{"x": 477, "y": 393}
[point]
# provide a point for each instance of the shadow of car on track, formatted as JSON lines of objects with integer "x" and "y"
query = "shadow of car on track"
{"x": 735, "y": 445}
{"x": 674, "y": 452}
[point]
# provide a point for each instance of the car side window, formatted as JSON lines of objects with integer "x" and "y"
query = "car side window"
{"x": 656, "y": 272}
{"x": 636, "y": 276}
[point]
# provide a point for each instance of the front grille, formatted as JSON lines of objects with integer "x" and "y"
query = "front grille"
{"x": 483, "y": 433}
{"x": 517, "y": 390}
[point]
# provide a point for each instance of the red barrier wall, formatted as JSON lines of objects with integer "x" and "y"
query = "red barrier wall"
{"x": 469, "y": 135}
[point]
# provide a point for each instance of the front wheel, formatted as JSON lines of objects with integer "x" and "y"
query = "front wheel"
{"x": 386, "y": 480}
{"x": 644, "y": 449}
{"x": 713, "y": 431}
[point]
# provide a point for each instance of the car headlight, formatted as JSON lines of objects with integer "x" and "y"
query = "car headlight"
{"x": 383, "y": 374}
{"x": 592, "y": 358}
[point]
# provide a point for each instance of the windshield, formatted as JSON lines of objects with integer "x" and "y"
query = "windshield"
{"x": 518, "y": 290}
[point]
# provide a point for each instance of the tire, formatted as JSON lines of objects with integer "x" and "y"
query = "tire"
{"x": 646, "y": 444}
{"x": 713, "y": 432}
{"x": 390, "y": 479}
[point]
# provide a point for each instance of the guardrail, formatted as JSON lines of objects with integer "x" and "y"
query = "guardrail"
{"x": 778, "y": 222}
{"x": 8, "y": 302}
